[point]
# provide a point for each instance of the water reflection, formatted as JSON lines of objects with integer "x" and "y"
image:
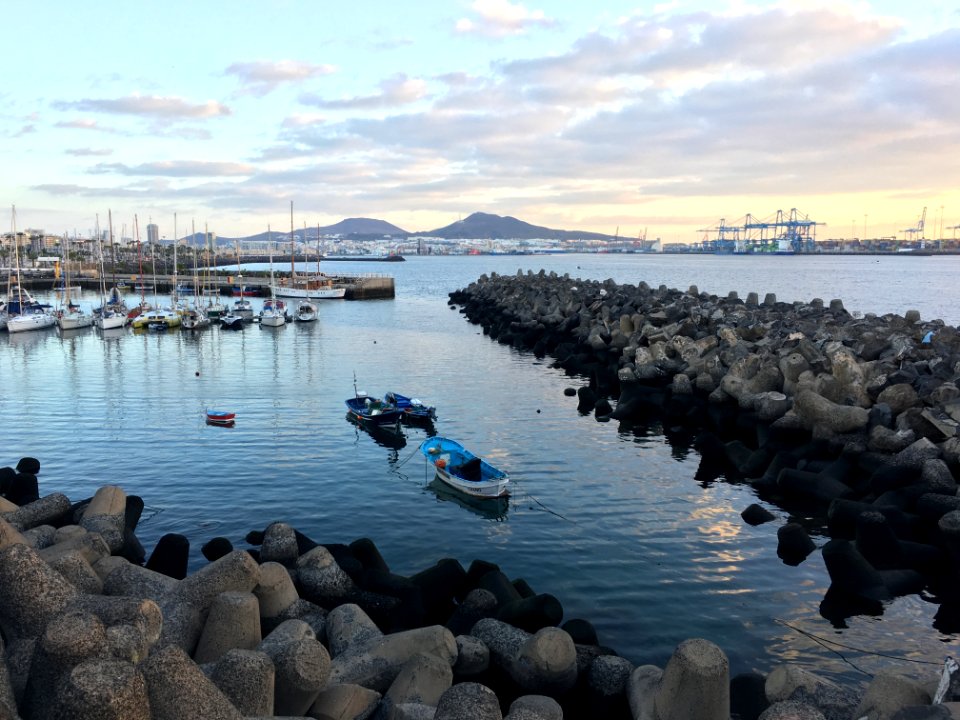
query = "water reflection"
{"x": 489, "y": 508}
{"x": 388, "y": 436}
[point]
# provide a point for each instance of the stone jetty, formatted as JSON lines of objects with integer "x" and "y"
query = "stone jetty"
{"x": 93, "y": 628}
{"x": 852, "y": 419}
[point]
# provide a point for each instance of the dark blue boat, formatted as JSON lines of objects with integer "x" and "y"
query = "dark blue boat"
{"x": 414, "y": 410}
{"x": 373, "y": 411}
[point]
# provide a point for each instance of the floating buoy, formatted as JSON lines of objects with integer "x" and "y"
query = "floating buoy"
{"x": 197, "y": 373}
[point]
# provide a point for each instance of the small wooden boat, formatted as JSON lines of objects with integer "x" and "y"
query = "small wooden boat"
{"x": 220, "y": 417}
{"x": 461, "y": 469}
{"x": 414, "y": 410}
{"x": 372, "y": 411}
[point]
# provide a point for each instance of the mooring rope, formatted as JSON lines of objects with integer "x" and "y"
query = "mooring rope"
{"x": 825, "y": 642}
{"x": 552, "y": 512}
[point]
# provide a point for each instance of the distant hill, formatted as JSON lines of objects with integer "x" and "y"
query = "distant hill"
{"x": 484, "y": 226}
{"x": 478, "y": 226}
{"x": 363, "y": 226}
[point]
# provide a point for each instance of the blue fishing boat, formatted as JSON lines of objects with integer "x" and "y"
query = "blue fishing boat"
{"x": 372, "y": 411}
{"x": 414, "y": 410}
{"x": 461, "y": 469}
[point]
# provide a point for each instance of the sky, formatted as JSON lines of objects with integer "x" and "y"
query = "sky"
{"x": 613, "y": 116}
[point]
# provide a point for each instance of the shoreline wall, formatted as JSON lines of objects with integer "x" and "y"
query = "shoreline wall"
{"x": 92, "y": 628}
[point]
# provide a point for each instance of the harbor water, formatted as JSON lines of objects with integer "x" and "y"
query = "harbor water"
{"x": 613, "y": 522}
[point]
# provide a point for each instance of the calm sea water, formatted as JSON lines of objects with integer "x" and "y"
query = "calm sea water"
{"x": 610, "y": 521}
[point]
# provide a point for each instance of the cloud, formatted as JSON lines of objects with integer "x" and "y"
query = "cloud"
{"x": 178, "y": 168}
{"x": 153, "y": 106}
{"x": 82, "y": 124}
{"x": 678, "y": 106}
{"x": 499, "y": 18}
{"x": 394, "y": 91}
{"x": 262, "y": 77}
{"x": 88, "y": 152}
{"x": 795, "y": 100}
{"x": 302, "y": 120}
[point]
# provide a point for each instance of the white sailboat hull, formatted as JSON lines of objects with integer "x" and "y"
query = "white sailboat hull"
{"x": 30, "y": 321}
{"x": 272, "y": 320}
{"x": 74, "y": 321}
{"x": 323, "y": 293}
{"x": 111, "y": 322}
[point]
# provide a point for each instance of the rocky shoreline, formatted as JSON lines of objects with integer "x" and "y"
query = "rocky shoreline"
{"x": 853, "y": 419}
{"x": 92, "y": 628}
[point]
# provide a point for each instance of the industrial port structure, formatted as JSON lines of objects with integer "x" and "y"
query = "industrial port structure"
{"x": 783, "y": 232}
{"x": 794, "y": 232}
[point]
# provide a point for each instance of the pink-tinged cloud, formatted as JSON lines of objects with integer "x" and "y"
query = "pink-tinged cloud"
{"x": 499, "y": 18}
{"x": 167, "y": 108}
{"x": 261, "y": 77}
{"x": 178, "y": 168}
{"x": 82, "y": 124}
{"x": 394, "y": 91}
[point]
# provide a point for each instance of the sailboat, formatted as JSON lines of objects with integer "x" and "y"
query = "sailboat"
{"x": 159, "y": 318}
{"x": 194, "y": 317}
{"x": 241, "y": 306}
{"x": 306, "y": 311}
{"x": 113, "y": 311}
{"x": 310, "y": 287}
{"x": 239, "y": 289}
{"x": 23, "y": 312}
{"x": 274, "y": 313}
{"x": 214, "y": 309}
{"x": 136, "y": 315}
{"x": 71, "y": 316}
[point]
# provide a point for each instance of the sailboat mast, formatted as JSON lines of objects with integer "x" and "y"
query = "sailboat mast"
{"x": 153, "y": 261}
{"x": 66, "y": 270}
{"x": 136, "y": 232}
{"x": 196, "y": 274}
{"x": 16, "y": 255}
{"x": 206, "y": 248}
{"x": 103, "y": 281}
{"x": 175, "y": 298}
{"x": 318, "y": 249}
{"x": 293, "y": 254}
{"x": 113, "y": 260}
{"x": 270, "y": 250}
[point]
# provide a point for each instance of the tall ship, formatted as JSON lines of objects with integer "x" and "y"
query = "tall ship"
{"x": 317, "y": 286}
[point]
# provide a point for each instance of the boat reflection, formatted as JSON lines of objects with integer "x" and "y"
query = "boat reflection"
{"x": 388, "y": 436}
{"x": 489, "y": 508}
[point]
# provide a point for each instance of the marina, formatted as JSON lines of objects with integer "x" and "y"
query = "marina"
{"x": 644, "y": 548}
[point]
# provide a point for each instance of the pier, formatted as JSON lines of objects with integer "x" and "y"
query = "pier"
{"x": 360, "y": 286}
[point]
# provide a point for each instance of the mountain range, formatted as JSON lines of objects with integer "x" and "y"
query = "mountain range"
{"x": 478, "y": 226}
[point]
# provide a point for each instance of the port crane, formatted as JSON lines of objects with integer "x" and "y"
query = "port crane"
{"x": 727, "y": 237}
{"x": 781, "y": 232}
{"x": 916, "y": 233}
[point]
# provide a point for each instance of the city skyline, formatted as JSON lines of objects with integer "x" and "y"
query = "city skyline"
{"x": 627, "y": 118}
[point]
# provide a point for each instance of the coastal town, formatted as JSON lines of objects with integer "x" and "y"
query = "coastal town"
{"x": 41, "y": 250}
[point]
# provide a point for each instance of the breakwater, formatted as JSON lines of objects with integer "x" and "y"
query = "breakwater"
{"x": 851, "y": 419}
{"x": 90, "y": 627}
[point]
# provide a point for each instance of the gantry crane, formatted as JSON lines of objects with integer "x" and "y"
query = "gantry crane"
{"x": 916, "y": 233}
